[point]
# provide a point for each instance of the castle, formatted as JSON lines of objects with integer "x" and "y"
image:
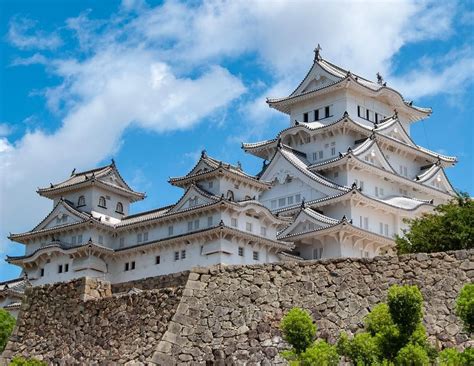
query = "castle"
{"x": 338, "y": 182}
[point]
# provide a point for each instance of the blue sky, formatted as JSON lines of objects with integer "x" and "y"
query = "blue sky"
{"x": 151, "y": 84}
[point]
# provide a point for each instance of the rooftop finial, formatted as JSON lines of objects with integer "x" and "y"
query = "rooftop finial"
{"x": 112, "y": 162}
{"x": 203, "y": 153}
{"x": 73, "y": 171}
{"x": 317, "y": 51}
{"x": 379, "y": 79}
{"x": 303, "y": 205}
{"x": 239, "y": 165}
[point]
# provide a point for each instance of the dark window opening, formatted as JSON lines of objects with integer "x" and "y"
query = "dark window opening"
{"x": 305, "y": 117}
{"x": 119, "y": 208}
{"x": 102, "y": 202}
{"x": 358, "y": 111}
{"x": 316, "y": 115}
{"x": 367, "y": 115}
{"x": 66, "y": 267}
{"x": 127, "y": 266}
{"x": 42, "y": 272}
{"x": 133, "y": 265}
{"x": 157, "y": 259}
{"x": 326, "y": 111}
{"x": 60, "y": 268}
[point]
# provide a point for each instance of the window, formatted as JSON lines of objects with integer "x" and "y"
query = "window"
{"x": 381, "y": 228}
{"x": 366, "y": 223}
{"x": 376, "y": 191}
{"x": 248, "y": 226}
{"x": 263, "y": 231}
{"x": 79, "y": 239}
{"x": 73, "y": 240}
{"x": 273, "y": 204}
{"x": 333, "y": 151}
{"x": 367, "y": 114}
{"x": 321, "y": 154}
{"x": 290, "y": 200}
{"x": 316, "y": 115}
{"x": 145, "y": 236}
{"x": 386, "y": 229}
{"x": 209, "y": 221}
{"x": 102, "y": 202}
{"x": 230, "y": 195}
{"x": 66, "y": 267}
{"x": 60, "y": 268}
{"x": 81, "y": 201}
{"x": 305, "y": 117}
{"x": 381, "y": 192}
{"x": 176, "y": 256}
{"x": 101, "y": 239}
{"x": 359, "y": 111}
{"x": 315, "y": 156}
{"x": 190, "y": 226}
{"x": 121, "y": 242}
{"x": 196, "y": 224}
{"x": 405, "y": 171}
{"x": 233, "y": 222}
{"x": 139, "y": 238}
{"x": 241, "y": 251}
{"x": 119, "y": 208}
{"x": 298, "y": 198}
{"x": 170, "y": 230}
{"x": 317, "y": 253}
{"x": 42, "y": 272}
{"x": 376, "y": 117}
{"x": 211, "y": 184}
{"x": 183, "y": 254}
{"x": 326, "y": 112}
{"x": 255, "y": 256}
{"x": 127, "y": 266}
{"x": 281, "y": 202}
{"x": 157, "y": 259}
{"x": 132, "y": 267}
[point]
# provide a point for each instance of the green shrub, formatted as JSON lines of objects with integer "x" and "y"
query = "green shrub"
{"x": 362, "y": 349}
{"x": 449, "y": 357}
{"x": 467, "y": 357}
{"x": 379, "y": 319}
{"x": 405, "y": 305}
{"x": 320, "y": 354}
{"x": 20, "y": 361}
{"x": 412, "y": 355}
{"x": 298, "y": 329}
{"x": 465, "y": 307}
{"x": 7, "y": 323}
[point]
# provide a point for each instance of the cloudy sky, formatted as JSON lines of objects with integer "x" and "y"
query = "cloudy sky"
{"x": 151, "y": 84}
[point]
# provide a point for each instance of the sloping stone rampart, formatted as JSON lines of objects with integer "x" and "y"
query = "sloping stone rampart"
{"x": 230, "y": 315}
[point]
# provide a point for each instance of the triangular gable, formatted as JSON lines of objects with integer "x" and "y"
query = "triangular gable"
{"x": 395, "y": 130}
{"x": 62, "y": 214}
{"x": 202, "y": 166}
{"x": 114, "y": 179}
{"x": 193, "y": 197}
{"x": 307, "y": 220}
{"x": 370, "y": 152}
{"x": 436, "y": 178}
{"x": 317, "y": 77}
{"x": 286, "y": 164}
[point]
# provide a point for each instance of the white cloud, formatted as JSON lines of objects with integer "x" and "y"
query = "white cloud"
{"x": 32, "y": 60}
{"x": 22, "y": 34}
{"x": 5, "y": 129}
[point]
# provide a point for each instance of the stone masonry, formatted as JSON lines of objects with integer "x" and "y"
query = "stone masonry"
{"x": 230, "y": 315}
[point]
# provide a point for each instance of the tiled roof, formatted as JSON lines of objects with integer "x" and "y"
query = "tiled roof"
{"x": 90, "y": 176}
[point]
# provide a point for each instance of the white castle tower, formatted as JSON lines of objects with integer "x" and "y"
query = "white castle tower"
{"x": 346, "y": 169}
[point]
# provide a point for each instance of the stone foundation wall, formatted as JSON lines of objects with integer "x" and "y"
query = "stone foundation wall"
{"x": 230, "y": 315}
{"x": 150, "y": 283}
{"x": 58, "y": 326}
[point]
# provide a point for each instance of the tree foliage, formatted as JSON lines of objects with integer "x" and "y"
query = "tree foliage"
{"x": 405, "y": 307}
{"x": 7, "y": 323}
{"x": 449, "y": 227}
{"x": 298, "y": 329}
{"x": 465, "y": 306}
{"x": 20, "y": 361}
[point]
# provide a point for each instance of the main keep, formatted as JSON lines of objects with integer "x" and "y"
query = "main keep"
{"x": 338, "y": 182}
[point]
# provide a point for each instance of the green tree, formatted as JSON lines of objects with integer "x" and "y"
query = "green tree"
{"x": 412, "y": 355}
{"x": 20, "y": 361}
{"x": 465, "y": 306}
{"x": 449, "y": 227}
{"x": 320, "y": 353}
{"x": 298, "y": 329}
{"x": 7, "y": 323}
{"x": 405, "y": 306}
